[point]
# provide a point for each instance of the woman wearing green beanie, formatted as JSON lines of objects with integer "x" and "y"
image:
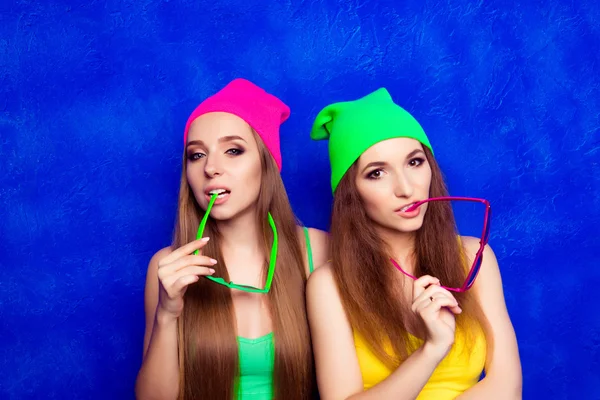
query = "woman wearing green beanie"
{"x": 398, "y": 312}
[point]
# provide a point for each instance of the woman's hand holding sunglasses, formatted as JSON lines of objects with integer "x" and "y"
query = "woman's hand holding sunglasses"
{"x": 176, "y": 272}
{"x": 436, "y": 307}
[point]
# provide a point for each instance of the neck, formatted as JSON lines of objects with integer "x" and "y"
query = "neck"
{"x": 401, "y": 245}
{"x": 240, "y": 235}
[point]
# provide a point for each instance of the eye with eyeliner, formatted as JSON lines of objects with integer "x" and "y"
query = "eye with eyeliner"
{"x": 235, "y": 151}
{"x": 416, "y": 162}
{"x": 195, "y": 155}
{"x": 375, "y": 174}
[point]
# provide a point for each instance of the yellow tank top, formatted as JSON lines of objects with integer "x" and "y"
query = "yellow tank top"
{"x": 457, "y": 372}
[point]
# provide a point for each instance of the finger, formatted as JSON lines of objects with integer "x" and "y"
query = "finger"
{"x": 453, "y": 306}
{"x": 431, "y": 290}
{"x": 195, "y": 270}
{"x": 184, "y": 250}
{"x": 430, "y": 296}
{"x": 427, "y": 293}
{"x": 420, "y": 284}
{"x": 417, "y": 306}
{"x": 455, "y": 309}
{"x": 186, "y": 261}
{"x": 436, "y": 305}
{"x": 421, "y": 303}
{"x": 181, "y": 284}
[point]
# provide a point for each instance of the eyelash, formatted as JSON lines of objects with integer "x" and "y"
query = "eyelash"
{"x": 418, "y": 160}
{"x": 192, "y": 156}
{"x": 239, "y": 151}
{"x": 197, "y": 155}
{"x": 371, "y": 175}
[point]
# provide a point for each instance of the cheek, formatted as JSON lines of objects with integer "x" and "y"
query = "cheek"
{"x": 423, "y": 180}
{"x": 427, "y": 187}
{"x": 424, "y": 186}
{"x": 194, "y": 176}
{"x": 250, "y": 174}
{"x": 372, "y": 197}
{"x": 374, "y": 204}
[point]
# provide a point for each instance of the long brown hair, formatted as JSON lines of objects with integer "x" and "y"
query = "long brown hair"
{"x": 364, "y": 274}
{"x": 208, "y": 351}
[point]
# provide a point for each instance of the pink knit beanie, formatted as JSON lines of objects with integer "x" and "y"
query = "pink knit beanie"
{"x": 261, "y": 110}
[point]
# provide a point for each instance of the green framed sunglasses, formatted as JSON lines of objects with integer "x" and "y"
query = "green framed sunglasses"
{"x": 272, "y": 260}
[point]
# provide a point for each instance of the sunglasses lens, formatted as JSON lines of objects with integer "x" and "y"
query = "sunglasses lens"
{"x": 475, "y": 271}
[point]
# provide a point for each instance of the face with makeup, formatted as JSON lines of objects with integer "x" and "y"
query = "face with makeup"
{"x": 391, "y": 176}
{"x": 223, "y": 157}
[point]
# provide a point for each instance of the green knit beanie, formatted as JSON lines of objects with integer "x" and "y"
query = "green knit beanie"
{"x": 354, "y": 126}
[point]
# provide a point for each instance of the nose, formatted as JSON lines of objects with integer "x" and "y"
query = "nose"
{"x": 212, "y": 168}
{"x": 403, "y": 186}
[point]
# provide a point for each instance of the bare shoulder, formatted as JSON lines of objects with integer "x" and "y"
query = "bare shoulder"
{"x": 324, "y": 303}
{"x": 470, "y": 244}
{"x": 159, "y": 255}
{"x": 319, "y": 243}
{"x": 321, "y": 283}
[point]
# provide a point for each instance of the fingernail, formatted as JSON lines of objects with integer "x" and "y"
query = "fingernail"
{"x": 212, "y": 260}
{"x": 205, "y": 239}
{"x": 212, "y": 271}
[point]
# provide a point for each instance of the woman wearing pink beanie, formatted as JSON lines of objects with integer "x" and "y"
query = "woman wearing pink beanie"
{"x": 225, "y": 313}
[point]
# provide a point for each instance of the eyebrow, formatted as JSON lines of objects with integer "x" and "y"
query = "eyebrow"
{"x": 221, "y": 140}
{"x": 414, "y": 153}
{"x": 382, "y": 164}
{"x": 230, "y": 138}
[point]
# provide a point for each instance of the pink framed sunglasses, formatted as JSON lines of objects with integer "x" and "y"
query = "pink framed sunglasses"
{"x": 485, "y": 234}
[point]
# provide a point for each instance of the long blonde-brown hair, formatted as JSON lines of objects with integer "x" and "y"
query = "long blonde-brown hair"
{"x": 364, "y": 274}
{"x": 208, "y": 352}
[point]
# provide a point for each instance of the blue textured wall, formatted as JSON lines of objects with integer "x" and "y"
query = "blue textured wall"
{"x": 93, "y": 99}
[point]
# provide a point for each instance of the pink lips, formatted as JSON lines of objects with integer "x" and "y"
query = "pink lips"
{"x": 411, "y": 212}
{"x": 220, "y": 200}
{"x": 223, "y": 196}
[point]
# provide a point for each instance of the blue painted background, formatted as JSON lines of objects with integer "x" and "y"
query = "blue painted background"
{"x": 94, "y": 97}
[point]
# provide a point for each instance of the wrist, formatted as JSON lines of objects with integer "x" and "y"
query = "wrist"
{"x": 163, "y": 318}
{"x": 435, "y": 352}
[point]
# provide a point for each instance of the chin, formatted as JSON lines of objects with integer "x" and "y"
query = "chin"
{"x": 222, "y": 213}
{"x": 230, "y": 211}
{"x": 407, "y": 226}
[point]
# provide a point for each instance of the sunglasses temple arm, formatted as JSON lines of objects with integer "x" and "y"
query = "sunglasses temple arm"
{"x": 204, "y": 219}
{"x": 274, "y": 248}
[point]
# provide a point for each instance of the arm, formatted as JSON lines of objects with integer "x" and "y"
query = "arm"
{"x": 169, "y": 274}
{"x": 503, "y": 378}
{"x": 338, "y": 373}
{"x": 158, "y": 377}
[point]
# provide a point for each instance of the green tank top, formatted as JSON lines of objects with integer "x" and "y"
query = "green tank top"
{"x": 257, "y": 358}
